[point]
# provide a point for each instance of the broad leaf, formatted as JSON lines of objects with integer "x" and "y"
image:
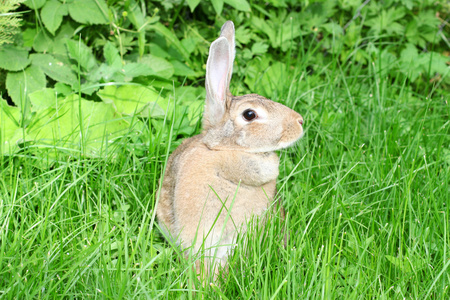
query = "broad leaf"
{"x": 194, "y": 99}
{"x": 42, "y": 42}
{"x": 259, "y": 48}
{"x": 157, "y": 66}
{"x": 408, "y": 62}
{"x": 172, "y": 38}
{"x": 135, "y": 15}
{"x": 28, "y": 36}
{"x": 77, "y": 124}
{"x": 52, "y": 14}
{"x": 273, "y": 79}
{"x": 43, "y": 99}
{"x": 181, "y": 69}
{"x": 63, "y": 89}
{"x": 106, "y": 73}
{"x": 131, "y": 99}
{"x": 136, "y": 69}
{"x": 82, "y": 54}
{"x": 13, "y": 58}
{"x": 111, "y": 54}
{"x": 66, "y": 31}
{"x": 241, "y": 5}
{"x": 190, "y": 44}
{"x": 218, "y": 6}
{"x": 89, "y": 11}
{"x": 386, "y": 21}
{"x": 193, "y": 4}
{"x": 10, "y": 132}
{"x": 20, "y": 84}
{"x": 34, "y": 4}
{"x": 55, "y": 69}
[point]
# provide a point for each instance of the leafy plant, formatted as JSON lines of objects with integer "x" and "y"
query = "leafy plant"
{"x": 97, "y": 93}
{"x": 78, "y": 47}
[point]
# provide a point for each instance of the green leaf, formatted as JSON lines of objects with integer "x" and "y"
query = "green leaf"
{"x": 408, "y": 62}
{"x": 66, "y": 31}
{"x": 243, "y": 35}
{"x": 386, "y": 21}
{"x": 402, "y": 264}
{"x": 131, "y": 100}
{"x": 409, "y": 54}
{"x": 106, "y": 73}
{"x": 111, "y": 54}
{"x": 259, "y": 48}
{"x": 77, "y": 124}
{"x": 52, "y": 14}
{"x": 10, "y": 132}
{"x": 63, "y": 89}
{"x": 89, "y": 87}
{"x": 278, "y": 3}
{"x": 13, "y": 58}
{"x": 181, "y": 69}
{"x": 218, "y": 6}
{"x": 157, "y": 66}
{"x": 137, "y": 18}
{"x": 43, "y": 99}
{"x": 241, "y": 5}
{"x": 387, "y": 62}
{"x": 156, "y": 50}
{"x": 34, "y": 4}
{"x": 269, "y": 80}
{"x": 21, "y": 84}
{"x": 54, "y": 69}
{"x": 89, "y": 11}
{"x": 82, "y": 54}
{"x": 263, "y": 26}
{"x": 190, "y": 44}
{"x": 136, "y": 69}
{"x": 194, "y": 99}
{"x": 333, "y": 28}
{"x": 435, "y": 63}
{"x": 172, "y": 38}
{"x": 42, "y": 42}
{"x": 135, "y": 15}
{"x": 193, "y": 4}
{"x": 254, "y": 72}
{"x": 28, "y": 35}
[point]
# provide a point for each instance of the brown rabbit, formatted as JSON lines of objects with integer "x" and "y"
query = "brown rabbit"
{"x": 216, "y": 181}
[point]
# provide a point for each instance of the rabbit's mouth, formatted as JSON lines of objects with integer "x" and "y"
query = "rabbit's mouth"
{"x": 284, "y": 145}
{"x": 291, "y": 135}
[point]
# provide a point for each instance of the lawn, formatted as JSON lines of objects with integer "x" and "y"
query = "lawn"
{"x": 366, "y": 193}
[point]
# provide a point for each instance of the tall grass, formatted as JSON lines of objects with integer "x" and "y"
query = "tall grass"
{"x": 366, "y": 193}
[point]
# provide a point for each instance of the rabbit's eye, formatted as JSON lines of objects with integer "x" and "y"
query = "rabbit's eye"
{"x": 249, "y": 115}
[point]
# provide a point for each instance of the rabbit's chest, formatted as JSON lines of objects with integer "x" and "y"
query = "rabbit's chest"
{"x": 216, "y": 182}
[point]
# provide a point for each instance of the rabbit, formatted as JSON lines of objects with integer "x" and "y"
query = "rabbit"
{"x": 216, "y": 181}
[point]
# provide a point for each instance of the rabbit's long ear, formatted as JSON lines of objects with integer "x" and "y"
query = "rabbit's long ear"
{"x": 218, "y": 75}
{"x": 227, "y": 31}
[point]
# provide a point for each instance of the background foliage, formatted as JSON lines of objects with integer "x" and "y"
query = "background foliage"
{"x": 96, "y": 94}
{"x": 70, "y": 51}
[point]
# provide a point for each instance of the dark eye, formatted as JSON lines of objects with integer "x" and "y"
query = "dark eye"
{"x": 249, "y": 115}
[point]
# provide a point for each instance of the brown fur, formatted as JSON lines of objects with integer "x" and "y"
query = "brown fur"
{"x": 216, "y": 181}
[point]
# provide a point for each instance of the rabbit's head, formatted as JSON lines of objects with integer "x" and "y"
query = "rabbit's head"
{"x": 248, "y": 123}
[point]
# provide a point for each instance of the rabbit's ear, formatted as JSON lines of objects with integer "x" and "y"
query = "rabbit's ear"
{"x": 227, "y": 31}
{"x": 218, "y": 75}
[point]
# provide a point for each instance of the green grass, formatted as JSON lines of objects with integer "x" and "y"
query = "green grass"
{"x": 366, "y": 193}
